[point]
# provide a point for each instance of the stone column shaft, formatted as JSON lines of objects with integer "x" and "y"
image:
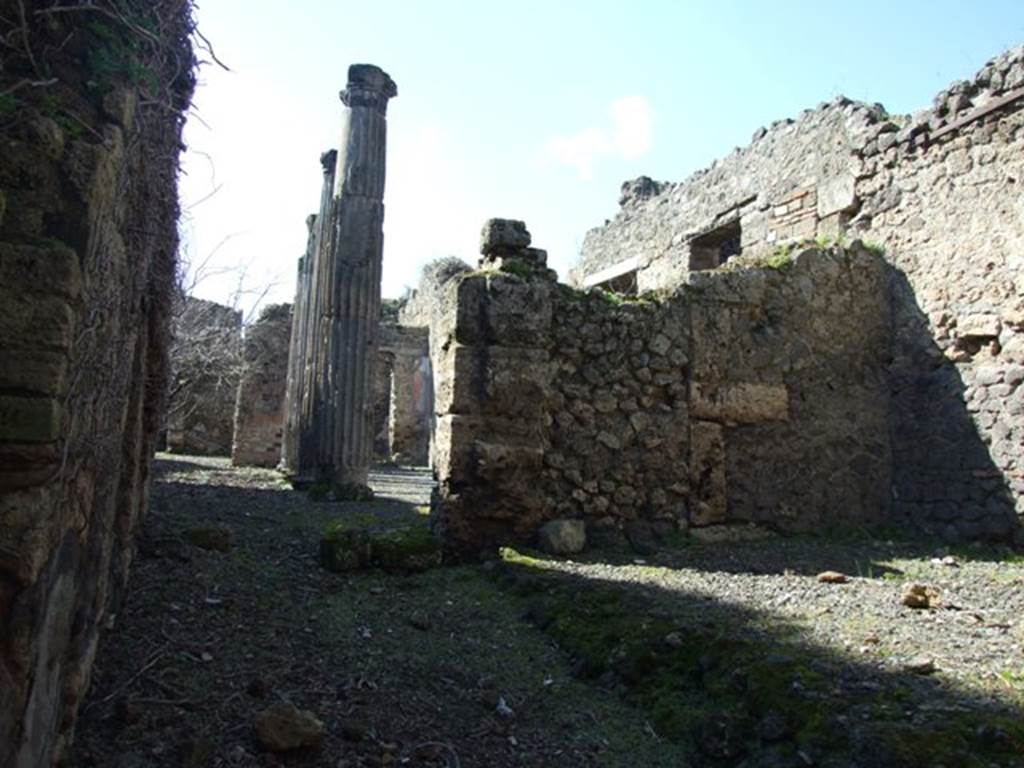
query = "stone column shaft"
{"x": 334, "y": 427}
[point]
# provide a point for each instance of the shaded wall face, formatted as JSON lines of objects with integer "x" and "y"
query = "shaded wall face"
{"x": 87, "y": 242}
{"x": 790, "y": 394}
{"x": 259, "y": 406}
{"x": 950, "y": 211}
{"x": 757, "y": 395}
{"x": 382, "y": 405}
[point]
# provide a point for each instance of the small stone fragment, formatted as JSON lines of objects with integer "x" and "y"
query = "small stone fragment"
{"x": 833, "y": 577}
{"x": 420, "y": 620}
{"x": 920, "y": 596}
{"x": 674, "y": 640}
{"x": 217, "y": 538}
{"x": 921, "y": 665}
{"x": 563, "y": 537}
{"x": 284, "y": 727}
{"x": 354, "y": 729}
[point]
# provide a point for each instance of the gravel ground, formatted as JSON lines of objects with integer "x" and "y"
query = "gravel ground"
{"x": 974, "y": 636}
{"x": 695, "y": 654}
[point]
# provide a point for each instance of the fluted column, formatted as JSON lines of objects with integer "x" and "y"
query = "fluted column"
{"x": 297, "y": 357}
{"x": 352, "y": 304}
{"x": 305, "y": 399}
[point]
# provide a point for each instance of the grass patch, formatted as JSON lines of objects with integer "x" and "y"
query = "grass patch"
{"x": 875, "y": 249}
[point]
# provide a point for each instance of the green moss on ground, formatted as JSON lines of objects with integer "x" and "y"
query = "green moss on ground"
{"x": 362, "y": 541}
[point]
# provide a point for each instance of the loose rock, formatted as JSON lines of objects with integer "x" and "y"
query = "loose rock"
{"x": 284, "y": 727}
{"x": 833, "y": 577}
{"x": 920, "y": 596}
{"x": 921, "y": 665}
{"x": 217, "y": 538}
{"x": 563, "y": 537}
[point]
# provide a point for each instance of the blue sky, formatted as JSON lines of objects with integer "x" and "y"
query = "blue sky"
{"x": 531, "y": 110}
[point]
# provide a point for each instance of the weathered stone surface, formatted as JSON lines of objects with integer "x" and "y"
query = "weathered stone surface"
{"x": 88, "y": 233}
{"x": 563, "y": 537}
{"x": 677, "y": 411}
{"x": 285, "y": 727}
{"x": 29, "y": 419}
{"x": 978, "y": 326}
{"x": 708, "y": 500}
{"x": 500, "y": 380}
{"x": 920, "y": 596}
{"x": 503, "y": 235}
{"x": 939, "y": 194}
{"x": 740, "y": 403}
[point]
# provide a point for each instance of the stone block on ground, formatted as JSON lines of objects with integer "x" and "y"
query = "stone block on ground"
{"x": 563, "y": 537}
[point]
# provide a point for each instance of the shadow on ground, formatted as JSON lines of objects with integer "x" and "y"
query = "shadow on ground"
{"x": 511, "y": 663}
{"x": 741, "y": 686}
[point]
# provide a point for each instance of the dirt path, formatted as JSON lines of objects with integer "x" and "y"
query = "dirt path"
{"x": 718, "y": 655}
{"x": 403, "y": 670}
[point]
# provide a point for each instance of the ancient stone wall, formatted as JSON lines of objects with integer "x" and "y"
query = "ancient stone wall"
{"x": 944, "y": 196}
{"x": 259, "y": 404}
{"x": 425, "y": 307}
{"x": 206, "y": 365}
{"x": 756, "y": 395}
{"x": 789, "y": 392}
{"x": 88, "y": 212}
{"x": 938, "y": 192}
{"x": 618, "y": 402}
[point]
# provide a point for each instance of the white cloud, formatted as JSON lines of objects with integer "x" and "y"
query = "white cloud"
{"x": 628, "y": 136}
{"x": 579, "y": 150}
{"x": 632, "y": 126}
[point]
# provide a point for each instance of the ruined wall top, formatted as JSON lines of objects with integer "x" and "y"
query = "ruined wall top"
{"x": 424, "y": 300}
{"x": 795, "y": 180}
{"x": 368, "y": 86}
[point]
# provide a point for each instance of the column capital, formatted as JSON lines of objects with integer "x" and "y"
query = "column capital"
{"x": 368, "y": 86}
